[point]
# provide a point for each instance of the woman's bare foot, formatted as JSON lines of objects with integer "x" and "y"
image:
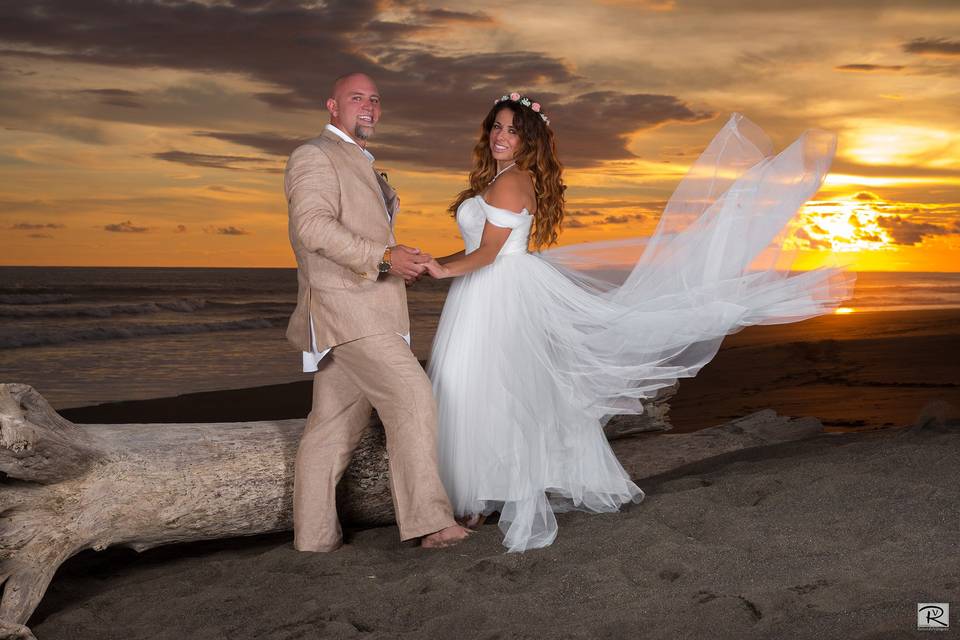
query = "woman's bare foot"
{"x": 474, "y": 522}
{"x": 445, "y": 537}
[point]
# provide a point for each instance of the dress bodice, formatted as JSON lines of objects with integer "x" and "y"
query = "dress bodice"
{"x": 474, "y": 212}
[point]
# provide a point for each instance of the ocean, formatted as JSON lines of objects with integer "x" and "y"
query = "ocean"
{"x": 84, "y": 336}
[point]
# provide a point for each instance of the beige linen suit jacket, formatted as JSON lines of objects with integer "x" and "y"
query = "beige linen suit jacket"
{"x": 339, "y": 230}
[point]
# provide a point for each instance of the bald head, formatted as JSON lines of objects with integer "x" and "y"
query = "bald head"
{"x": 354, "y": 106}
{"x": 348, "y": 79}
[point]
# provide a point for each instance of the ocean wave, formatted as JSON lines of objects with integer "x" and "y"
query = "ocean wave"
{"x": 123, "y": 290}
{"x": 34, "y": 298}
{"x": 894, "y": 290}
{"x": 179, "y": 305}
{"x": 183, "y": 305}
{"x": 118, "y": 332}
{"x": 917, "y": 301}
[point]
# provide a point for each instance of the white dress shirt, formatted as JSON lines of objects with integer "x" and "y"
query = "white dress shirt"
{"x": 312, "y": 358}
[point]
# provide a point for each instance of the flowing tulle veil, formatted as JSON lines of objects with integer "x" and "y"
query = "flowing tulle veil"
{"x": 720, "y": 239}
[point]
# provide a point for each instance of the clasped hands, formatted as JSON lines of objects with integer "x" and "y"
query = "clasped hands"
{"x": 410, "y": 264}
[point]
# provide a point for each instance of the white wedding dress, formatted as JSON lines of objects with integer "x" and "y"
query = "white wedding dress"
{"x": 535, "y": 352}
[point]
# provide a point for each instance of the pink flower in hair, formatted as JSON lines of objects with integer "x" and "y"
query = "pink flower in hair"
{"x": 514, "y": 96}
{"x": 536, "y": 107}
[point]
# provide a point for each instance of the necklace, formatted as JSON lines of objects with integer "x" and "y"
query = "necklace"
{"x": 500, "y": 172}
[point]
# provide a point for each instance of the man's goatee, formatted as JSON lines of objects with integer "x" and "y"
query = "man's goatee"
{"x": 362, "y": 133}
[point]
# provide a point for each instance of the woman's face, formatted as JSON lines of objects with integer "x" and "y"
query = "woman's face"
{"x": 504, "y": 138}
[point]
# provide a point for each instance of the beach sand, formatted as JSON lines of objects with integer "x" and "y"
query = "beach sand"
{"x": 839, "y": 535}
{"x": 836, "y": 536}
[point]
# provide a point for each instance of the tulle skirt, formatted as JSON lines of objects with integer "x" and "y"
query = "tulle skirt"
{"x": 535, "y": 352}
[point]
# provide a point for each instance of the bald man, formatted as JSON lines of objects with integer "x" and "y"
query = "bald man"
{"x": 352, "y": 325}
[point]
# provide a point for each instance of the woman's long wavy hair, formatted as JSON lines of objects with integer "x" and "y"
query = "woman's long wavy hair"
{"x": 538, "y": 155}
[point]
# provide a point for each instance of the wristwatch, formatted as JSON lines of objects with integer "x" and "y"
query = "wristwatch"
{"x": 384, "y": 265}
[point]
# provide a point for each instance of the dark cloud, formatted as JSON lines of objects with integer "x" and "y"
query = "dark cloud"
{"x": 933, "y": 46}
{"x": 432, "y": 103}
{"x": 233, "y": 163}
{"x": 30, "y": 226}
{"x": 8, "y": 70}
{"x": 116, "y": 97}
{"x": 649, "y": 206}
{"x": 590, "y": 128}
{"x": 869, "y": 68}
{"x": 595, "y": 126}
{"x": 809, "y": 241}
{"x": 818, "y": 6}
{"x": 227, "y": 231}
{"x": 392, "y": 29}
{"x": 575, "y": 219}
{"x": 580, "y": 218}
{"x": 866, "y": 195}
{"x": 181, "y": 228}
{"x": 125, "y": 227}
{"x": 906, "y": 232}
{"x": 446, "y": 15}
{"x": 623, "y": 219}
{"x": 287, "y": 100}
{"x": 272, "y": 143}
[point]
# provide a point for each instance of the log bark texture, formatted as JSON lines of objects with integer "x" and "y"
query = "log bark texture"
{"x": 66, "y": 487}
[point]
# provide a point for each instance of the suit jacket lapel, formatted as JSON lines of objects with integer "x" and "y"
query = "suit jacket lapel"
{"x": 355, "y": 157}
{"x": 389, "y": 195}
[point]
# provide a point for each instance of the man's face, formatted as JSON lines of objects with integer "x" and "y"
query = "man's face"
{"x": 355, "y": 107}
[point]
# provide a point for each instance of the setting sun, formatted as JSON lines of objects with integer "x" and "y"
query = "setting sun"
{"x": 842, "y": 226}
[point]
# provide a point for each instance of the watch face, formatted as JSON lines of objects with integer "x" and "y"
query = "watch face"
{"x": 383, "y": 267}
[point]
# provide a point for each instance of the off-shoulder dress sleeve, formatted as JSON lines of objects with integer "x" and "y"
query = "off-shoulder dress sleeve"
{"x": 503, "y": 217}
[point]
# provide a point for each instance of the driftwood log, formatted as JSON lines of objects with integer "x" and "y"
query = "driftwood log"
{"x": 66, "y": 487}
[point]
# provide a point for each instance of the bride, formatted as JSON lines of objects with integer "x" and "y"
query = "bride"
{"x": 536, "y": 351}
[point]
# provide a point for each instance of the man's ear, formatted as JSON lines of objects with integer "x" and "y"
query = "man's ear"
{"x": 332, "y": 106}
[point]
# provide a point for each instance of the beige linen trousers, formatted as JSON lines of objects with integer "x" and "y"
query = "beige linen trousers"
{"x": 339, "y": 230}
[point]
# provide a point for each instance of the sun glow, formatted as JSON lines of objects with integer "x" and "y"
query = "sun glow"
{"x": 842, "y": 226}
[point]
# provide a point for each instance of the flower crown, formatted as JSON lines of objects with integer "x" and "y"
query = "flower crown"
{"x": 525, "y": 101}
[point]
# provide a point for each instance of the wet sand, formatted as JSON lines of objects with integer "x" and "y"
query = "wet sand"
{"x": 862, "y": 370}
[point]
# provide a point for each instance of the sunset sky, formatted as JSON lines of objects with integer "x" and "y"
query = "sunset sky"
{"x": 155, "y": 132}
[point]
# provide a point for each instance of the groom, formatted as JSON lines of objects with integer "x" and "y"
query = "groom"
{"x": 352, "y": 325}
